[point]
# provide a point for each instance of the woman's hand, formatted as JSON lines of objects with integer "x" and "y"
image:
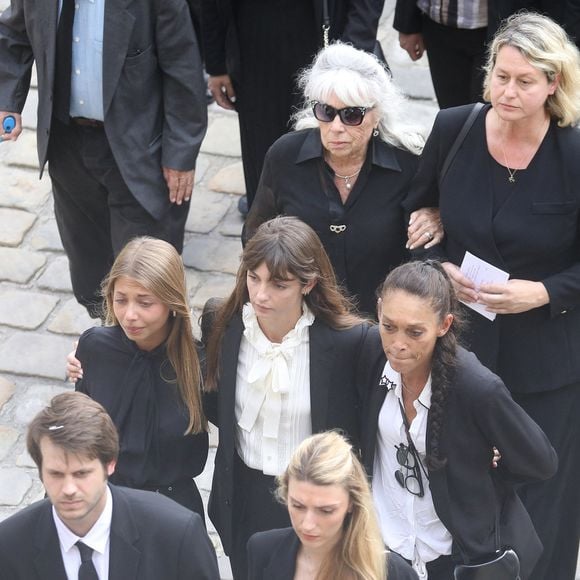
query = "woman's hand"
{"x": 222, "y": 89}
{"x": 513, "y": 297}
{"x": 464, "y": 287}
{"x": 74, "y": 370}
{"x": 425, "y": 228}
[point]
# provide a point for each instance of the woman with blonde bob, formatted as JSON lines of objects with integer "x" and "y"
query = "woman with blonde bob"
{"x": 282, "y": 354}
{"x": 334, "y": 533}
{"x": 143, "y": 367}
{"x": 511, "y": 197}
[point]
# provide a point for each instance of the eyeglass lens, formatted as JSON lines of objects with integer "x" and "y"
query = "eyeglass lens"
{"x": 349, "y": 115}
{"x": 412, "y": 482}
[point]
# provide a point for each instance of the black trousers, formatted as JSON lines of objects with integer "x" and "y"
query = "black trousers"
{"x": 554, "y": 505}
{"x": 456, "y": 58}
{"x": 95, "y": 211}
{"x": 255, "y": 509}
{"x": 276, "y": 38}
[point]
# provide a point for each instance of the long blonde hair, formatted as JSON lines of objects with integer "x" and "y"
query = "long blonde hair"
{"x": 288, "y": 247}
{"x": 156, "y": 265}
{"x": 328, "y": 459}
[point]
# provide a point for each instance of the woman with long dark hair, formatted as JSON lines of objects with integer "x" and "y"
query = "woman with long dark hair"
{"x": 282, "y": 355}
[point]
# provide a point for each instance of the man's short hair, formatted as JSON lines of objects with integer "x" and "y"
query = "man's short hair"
{"x": 78, "y": 425}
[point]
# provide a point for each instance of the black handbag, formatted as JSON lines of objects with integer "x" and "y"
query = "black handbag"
{"x": 505, "y": 565}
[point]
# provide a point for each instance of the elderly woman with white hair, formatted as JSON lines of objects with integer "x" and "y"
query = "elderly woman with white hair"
{"x": 346, "y": 170}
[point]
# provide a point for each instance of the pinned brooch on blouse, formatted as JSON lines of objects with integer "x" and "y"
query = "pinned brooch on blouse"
{"x": 387, "y": 383}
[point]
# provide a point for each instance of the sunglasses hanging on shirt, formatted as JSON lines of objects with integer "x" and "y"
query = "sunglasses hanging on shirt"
{"x": 408, "y": 458}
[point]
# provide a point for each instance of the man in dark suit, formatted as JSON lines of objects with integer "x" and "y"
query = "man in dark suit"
{"x": 88, "y": 529}
{"x": 121, "y": 117}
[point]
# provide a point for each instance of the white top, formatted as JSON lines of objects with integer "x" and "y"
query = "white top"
{"x": 409, "y": 524}
{"x": 97, "y": 539}
{"x": 272, "y": 394}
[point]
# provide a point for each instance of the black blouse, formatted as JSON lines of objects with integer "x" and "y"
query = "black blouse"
{"x": 134, "y": 387}
{"x": 364, "y": 237}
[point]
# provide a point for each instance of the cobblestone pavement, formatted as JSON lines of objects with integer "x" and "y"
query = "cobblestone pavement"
{"x": 39, "y": 318}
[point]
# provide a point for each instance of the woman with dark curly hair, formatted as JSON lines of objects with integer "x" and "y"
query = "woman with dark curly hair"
{"x": 432, "y": 417}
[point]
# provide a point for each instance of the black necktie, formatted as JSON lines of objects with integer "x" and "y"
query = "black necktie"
{"x": 87, "y": 570}
{"x": 63, "y": 61}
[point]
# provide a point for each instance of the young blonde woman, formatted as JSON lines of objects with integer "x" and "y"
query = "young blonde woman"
{"x": 334, "y": 533}
{"x": 143, "y": 367}
{"x": 281, "y": 353}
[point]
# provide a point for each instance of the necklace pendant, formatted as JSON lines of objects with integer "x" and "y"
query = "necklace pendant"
{"x": 511, "y": 179}
{"x": 347, "y": 185}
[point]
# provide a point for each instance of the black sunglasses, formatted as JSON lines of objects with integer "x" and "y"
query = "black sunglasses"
{"x": 352, "y": 116}
{"x": 412, "y": 482}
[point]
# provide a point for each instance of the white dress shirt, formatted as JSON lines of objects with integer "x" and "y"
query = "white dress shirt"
{"x": 97, "y": 539}
{"x": 272, "y": 394}
{"x": 409, "y": 524}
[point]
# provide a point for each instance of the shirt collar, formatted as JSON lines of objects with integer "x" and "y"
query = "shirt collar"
{"x": 391, "y": 380}
{"x": 98, "y": 535}
{"x": 382, "y": 154}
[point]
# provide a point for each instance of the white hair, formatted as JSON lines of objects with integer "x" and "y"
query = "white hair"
{"x": 358, "y": 79}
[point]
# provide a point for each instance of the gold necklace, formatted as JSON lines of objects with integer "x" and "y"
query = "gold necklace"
{"x": 512, "y": 172}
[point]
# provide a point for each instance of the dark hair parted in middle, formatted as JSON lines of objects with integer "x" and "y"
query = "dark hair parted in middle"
{"x": 429, "y": 281}
{"x": 288, "y": 247}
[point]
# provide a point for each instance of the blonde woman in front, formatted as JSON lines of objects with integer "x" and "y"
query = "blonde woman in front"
{"x": 334, "y": 533}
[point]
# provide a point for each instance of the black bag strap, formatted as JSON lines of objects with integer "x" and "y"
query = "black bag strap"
{"x": 459, "y": 139}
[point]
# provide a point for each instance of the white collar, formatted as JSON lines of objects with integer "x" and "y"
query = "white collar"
{"x": 391, "y": 380}
{"x": 96, "y": 538}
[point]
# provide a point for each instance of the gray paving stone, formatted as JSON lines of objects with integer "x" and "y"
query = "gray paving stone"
{"x": 230, "y": 179}
{"x": 28, "y": 353}
{"x": 202, "y": 165}
{"x": 232, "y": 223}
{"x": 45, "y": 236}
{"x": 14, "y": 485}
{"x": 19, "y": 265}
{"x": 56, "y": 276}
{"x": 23, "y": 153}
{"x": 213, "y": 254}
{"x": 21, "y": 188}
{"x": 217, "y": 286}
{"x": 14, "y": 223}
{"x": 223, "y": 137}
{"x": 207, "y": 210}
{"x": 38, "y": 397}
{"x": 8, "y": 436}
{"x": 24, "y": 460}
{"x": 71, "y": 319}
{"x": 25, "y": 309}
{"x": 7, "y": 389}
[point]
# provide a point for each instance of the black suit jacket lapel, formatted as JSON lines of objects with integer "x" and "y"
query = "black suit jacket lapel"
{"x": 230, "y": 351}
{"x": 282, "y": 564}
{"x": 321, "y": 373}
{"x": 116, "y": 35}
{"x": 48, "y": 561}
{"x": 124, "y": 554}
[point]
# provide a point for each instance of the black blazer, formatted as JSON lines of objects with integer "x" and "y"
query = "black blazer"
{"x": 334, "y": 402}
{"x": 353, "y": 21}
{"x": 467, "y": 491}
{"x": 152, "y": 537}
{"x": 272, "y": 554}
{"x": 534, "y": 235}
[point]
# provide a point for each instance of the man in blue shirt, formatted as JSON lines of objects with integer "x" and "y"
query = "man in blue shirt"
{"x": 121, "y": 117}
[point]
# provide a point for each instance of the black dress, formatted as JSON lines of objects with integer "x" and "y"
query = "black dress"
{"x": 296, "y": 181}
{"x": 135, "y": 388}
